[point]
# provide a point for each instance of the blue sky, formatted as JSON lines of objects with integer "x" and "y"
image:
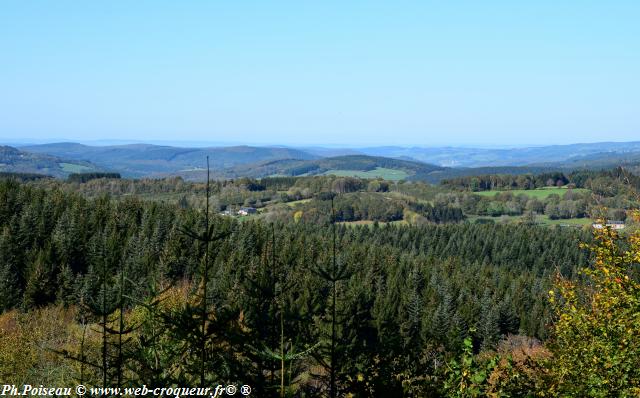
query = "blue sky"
{"x": 327, "y": 72}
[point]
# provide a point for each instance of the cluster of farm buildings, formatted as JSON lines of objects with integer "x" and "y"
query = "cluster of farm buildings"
{"x": 243, "y": 211}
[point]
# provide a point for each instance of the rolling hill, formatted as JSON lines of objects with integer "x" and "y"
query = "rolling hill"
{"x": 433, "y": 164}
{"x": 14, "y": 160}
{"x": 600, "y": 160}
{"x": 550, "y": 155}
{"x": 354, "y": 165}
{"x": 138, "y": 160}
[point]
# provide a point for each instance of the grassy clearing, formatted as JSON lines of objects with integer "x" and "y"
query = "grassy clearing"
{"x": 74, "y": 168}
{"x": 540, "y": 193}
{"x": 571, "y": 221}
{"x": 297, "y": 202}
{"x": 378, "y": 172}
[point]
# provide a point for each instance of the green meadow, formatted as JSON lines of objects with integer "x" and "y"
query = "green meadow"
{"x": 74, "y": 168}
{"x": 378, "y": 172}
{"x": 540, "y": 193}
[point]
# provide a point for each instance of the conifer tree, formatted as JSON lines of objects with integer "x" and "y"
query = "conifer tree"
{"x": 66, "y": 286}
{"x": 333, "y": 273}
{"x": 10, "y": 288}
{"x": 40, "y": 285}
{"x": 488, "y": 326}
{"x": 286, "y": 352}
{"x": 199, "y": 327}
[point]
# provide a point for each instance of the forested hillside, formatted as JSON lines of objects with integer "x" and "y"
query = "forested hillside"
{"x": 573, "y": 199}
{"x": 426, "y": 287}
{"x": 431, "y": 165}
{"x": 13, "y": 160}
{"x": 113, "y": 275}
{"x": 350, "y": 164}
{"x": 137, "y": 160}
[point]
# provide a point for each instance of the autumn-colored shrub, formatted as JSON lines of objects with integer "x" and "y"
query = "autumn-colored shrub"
{"x": 28, "y": 345}
{"x": 596, "y": 344}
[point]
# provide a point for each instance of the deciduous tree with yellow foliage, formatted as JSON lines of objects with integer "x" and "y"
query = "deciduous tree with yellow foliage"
{"x": 597, "y": 331}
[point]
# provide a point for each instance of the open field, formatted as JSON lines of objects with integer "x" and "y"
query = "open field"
{"x": 74, "y": 168}
{"x": 297, "y": 202}
{"x": 378, "y": 172}
{"x": 570, "y": 221}
{"x": 540, "y": 193}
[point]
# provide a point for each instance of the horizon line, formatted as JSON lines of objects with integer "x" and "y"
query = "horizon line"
{"x": 222, "y": 144}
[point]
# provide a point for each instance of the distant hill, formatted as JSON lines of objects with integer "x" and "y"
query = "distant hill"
{"x": 138, "y": 160}
{"x": 13, "y": 160}
{"x": 330, "y": 152}
{"x": 368, "y": 166}
{"x": 424, "y": 164}
{"x": 361, "y": 165}
{"x": 600, "y": 160}
{"x": 490, "y": 157}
